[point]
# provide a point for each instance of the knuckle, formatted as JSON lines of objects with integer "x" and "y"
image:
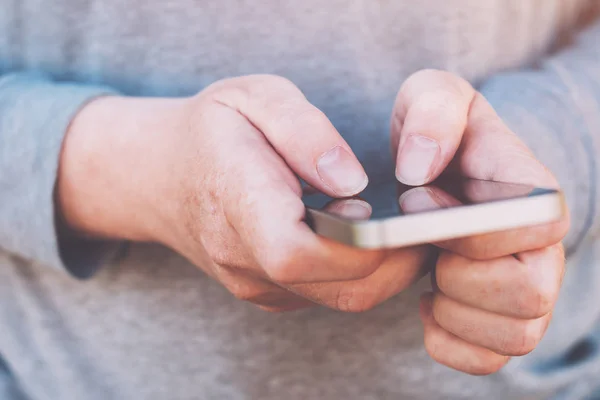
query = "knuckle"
{"x": 434, "y": 346}
{"x": 523, "y": 341}
{"x": 552, "y": 234}
{"x": 218, "y": 256}
{"x": 244, "y": 294}
{"x": 354, "y": 299}
{"x": 264, "y": 297}
{"x": 435, "y": 77}
{"x": 292, "y": 112}
{"x": 478, "y": 364}
{"x": 539, "y": 293}
{"x": 537, "y": 300}
{"x": 443, "y": 276}
{"x": 274, "y": 81}
{"x": 489, "y": 366}
{"x": 559, "y": 250}
{"x": 270, "y": 299}
{"x": 536, "y": 305}
{"x": 260, "y": 89}
{"x": 269, "y": 90}
{"x": 218, "y": 85}
{"x": 227, "y": 85}
{"x": 442, "y": 102}
{"x": 216, "y": 253}
{"x": 228, "y": 92}
{"x": 479, "y": 248}
{"x": 363, "y": 267}
{"x": 427, "y": 74}
{"x": 559, "y": 230}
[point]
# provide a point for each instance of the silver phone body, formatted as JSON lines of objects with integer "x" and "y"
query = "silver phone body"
{"x": 531, "y": 206}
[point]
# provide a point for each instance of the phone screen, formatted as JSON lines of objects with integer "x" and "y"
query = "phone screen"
{"x": 392, "y": 199}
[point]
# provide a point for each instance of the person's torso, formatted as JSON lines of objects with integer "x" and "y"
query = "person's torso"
{"x": 349, "y": 57}
{"x": 152, "y": 326}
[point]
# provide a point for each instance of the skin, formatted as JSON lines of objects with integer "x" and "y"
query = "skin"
{"x": 212, "y": 177}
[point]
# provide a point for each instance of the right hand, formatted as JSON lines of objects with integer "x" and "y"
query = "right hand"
{"x": 213, "y": 177}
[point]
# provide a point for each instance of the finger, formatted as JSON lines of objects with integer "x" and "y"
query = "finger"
{"x": 525, "y": 286}
{"x": 451, "y": 351}
{"x": 265, "y": 295}
{"x": 400, "y": 269}
{"x": 478, "y": 191}
{"x": 289, "y": 252}
{"x": 498, "y": 333}
{"x": 491, "y": 245}
{"x": 354, "y": 209}
{"x": 429, "y": 118}
{"x": 421, "y": 199}
{"x": 298, "y": 131}
{"x": 490, "y": 151}
{"x": 499, "y": 244}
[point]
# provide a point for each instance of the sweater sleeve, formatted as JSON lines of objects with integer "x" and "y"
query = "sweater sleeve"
{"x": 35, "y": 113}
{"x": 555, "y": 109}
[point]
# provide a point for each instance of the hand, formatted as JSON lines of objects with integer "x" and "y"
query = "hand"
{"x": 213, "y": 177}
{"x": 493, "y": 294}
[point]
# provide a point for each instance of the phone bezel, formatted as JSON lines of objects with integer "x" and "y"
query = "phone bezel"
{"x": 540, "y": 206}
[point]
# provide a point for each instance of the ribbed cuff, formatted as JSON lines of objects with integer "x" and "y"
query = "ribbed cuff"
{"x": 34, "y": 116}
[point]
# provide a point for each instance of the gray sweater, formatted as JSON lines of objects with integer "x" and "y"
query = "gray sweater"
{"x": 148, "y": 325}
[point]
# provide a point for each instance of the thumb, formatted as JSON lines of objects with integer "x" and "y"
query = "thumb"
{"x": 430, "y": 116}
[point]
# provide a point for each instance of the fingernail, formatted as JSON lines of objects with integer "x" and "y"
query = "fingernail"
{"x": 417, "y": 160}
{"x": 340, "y": 170}
{"x": 418, "y": 200}
{"x": 352, "y": 209}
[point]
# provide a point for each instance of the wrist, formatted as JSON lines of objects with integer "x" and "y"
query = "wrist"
{"x": 108, "y": 181}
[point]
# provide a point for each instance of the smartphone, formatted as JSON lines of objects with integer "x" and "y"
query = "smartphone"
{"x": 389, "y": 214}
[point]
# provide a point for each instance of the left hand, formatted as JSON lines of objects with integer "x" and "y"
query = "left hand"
{"x": 493, "y": 294}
